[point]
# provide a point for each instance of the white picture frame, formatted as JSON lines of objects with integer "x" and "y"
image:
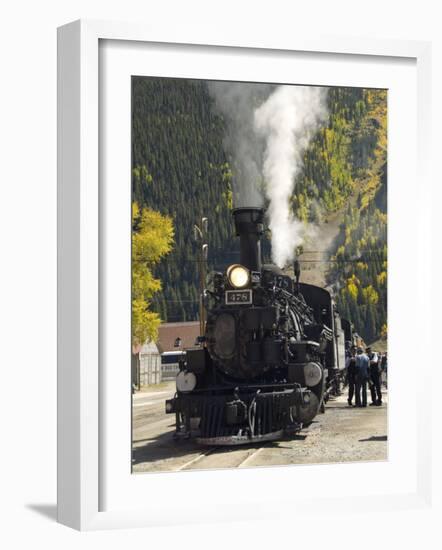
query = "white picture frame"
{"x": 80, "y": 397}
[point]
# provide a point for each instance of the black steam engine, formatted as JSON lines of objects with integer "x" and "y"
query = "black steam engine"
{"x": 272, "y": 351}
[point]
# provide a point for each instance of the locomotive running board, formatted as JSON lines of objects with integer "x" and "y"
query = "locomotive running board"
{"x": 231, "y": 440}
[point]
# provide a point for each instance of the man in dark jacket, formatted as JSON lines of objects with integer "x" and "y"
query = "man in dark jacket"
{"x": 362, "y": 375}
{"x": 375, "y": 378}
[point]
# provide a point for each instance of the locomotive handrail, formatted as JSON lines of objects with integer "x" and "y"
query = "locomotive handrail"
{"x": 302, "y": 308}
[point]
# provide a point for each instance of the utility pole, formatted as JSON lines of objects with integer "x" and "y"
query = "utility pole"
{"x": 200, "y": 234}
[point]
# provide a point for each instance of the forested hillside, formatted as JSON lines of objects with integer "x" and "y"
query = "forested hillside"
{"x": 345, "y": 172}
{"x": 180, "y": 169}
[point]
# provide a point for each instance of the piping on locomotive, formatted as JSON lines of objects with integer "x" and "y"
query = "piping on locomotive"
{"x": 272, "y": 351}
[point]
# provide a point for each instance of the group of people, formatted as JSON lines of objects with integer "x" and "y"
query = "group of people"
{"x": 365, "y": 369}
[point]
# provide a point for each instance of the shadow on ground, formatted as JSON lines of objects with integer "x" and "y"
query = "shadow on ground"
{"x": 48, "y": 511}
{"x": 161, "y": 447}
{"x": 375, "y": 438}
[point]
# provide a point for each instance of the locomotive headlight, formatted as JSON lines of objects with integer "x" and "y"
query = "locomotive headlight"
{"x": 238, "y": 276}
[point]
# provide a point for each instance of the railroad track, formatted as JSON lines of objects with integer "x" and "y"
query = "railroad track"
{"x": 233, "y": 458}
{"x": 196, "y": 459}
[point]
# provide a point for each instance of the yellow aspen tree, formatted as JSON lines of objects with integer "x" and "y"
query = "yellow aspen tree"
{"x": 152, "y": 238}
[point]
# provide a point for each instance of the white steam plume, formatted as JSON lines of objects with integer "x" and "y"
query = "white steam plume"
{"x": 286, "y": 122}
{"x": 268, "y": 128}
{"x": 237, "y": 101}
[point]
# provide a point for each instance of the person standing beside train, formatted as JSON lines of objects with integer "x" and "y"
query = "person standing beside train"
{"x": 362, "y": 374}
{"x": 350, "y": 364}
{"x": 384, "y": 367}
{"x": 375, "y": 378}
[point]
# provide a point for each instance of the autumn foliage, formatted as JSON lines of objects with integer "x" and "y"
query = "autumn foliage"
{"x": 152, "y": 239}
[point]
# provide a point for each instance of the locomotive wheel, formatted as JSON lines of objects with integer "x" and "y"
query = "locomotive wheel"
{"x": 308, "y": 412}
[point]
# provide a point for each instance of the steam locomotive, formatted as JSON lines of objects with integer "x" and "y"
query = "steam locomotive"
{"x": 272, "y": 352}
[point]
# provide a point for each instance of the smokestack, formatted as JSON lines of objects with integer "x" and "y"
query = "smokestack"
{"x": 249, "y": 227}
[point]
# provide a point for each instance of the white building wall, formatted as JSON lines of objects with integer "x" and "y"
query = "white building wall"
{"x": 150, "y": 365}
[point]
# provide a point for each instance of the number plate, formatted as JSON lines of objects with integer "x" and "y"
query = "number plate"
{"x": 238, "y": 297}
